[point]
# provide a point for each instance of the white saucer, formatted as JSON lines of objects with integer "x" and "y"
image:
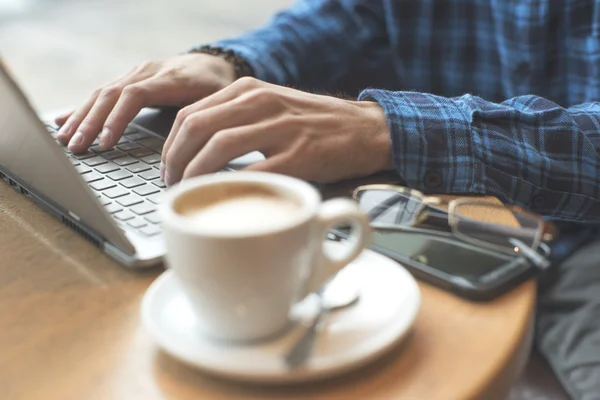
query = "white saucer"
{"x": 385, "y": 313}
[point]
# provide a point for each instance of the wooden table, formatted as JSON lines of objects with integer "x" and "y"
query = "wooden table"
{"x": 70, "y": 329}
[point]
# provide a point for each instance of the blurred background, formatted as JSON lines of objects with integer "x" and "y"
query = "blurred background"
{"x": 60, "y": 50}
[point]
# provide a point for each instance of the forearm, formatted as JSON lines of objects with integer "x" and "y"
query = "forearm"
{"x": 312, "y": 44}
{"x": 527, "y": 150}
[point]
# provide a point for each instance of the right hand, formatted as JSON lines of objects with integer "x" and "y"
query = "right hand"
{"x": 177, "y": 81}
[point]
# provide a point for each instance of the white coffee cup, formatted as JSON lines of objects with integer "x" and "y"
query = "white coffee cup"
{"x": 244, "y": 262}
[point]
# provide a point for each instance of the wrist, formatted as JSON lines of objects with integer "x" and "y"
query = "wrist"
{"x": 224, "y": 70}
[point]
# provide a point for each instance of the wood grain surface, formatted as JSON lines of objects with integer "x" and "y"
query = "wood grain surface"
{"x": 70, "y": 329}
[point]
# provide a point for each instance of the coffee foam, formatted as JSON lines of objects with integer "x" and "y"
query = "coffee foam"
{"x": 237, "y": 208}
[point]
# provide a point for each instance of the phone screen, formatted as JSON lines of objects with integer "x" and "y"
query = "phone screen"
{"x": 446, "y": 255}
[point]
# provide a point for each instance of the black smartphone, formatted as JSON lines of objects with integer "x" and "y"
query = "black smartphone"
{"x": 462, "y": 268}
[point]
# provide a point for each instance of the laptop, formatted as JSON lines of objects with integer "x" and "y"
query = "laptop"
{"x": 108, "y": 197}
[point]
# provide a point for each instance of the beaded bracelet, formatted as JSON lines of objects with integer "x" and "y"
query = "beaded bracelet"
{"x": 241, "y": 66}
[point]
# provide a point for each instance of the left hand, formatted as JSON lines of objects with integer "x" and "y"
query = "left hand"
{"x": 312, "y": 137}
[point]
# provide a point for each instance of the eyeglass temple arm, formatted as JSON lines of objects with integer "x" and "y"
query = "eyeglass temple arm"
{"x": 536, "y": 258}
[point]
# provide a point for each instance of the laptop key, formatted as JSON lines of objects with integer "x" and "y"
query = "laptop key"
{"x": 129, "y": 200}
{"x": 137, "y": 223}
{"x": 119, "y": 175}
{"x": 138, "y": 167}
{"x": 146, "y": 190}
{"x": 123, "y": 161}
{"x": 152, "y": 159}
{"x": 112, "y": 154}
{"x": 141, "y": 152}
{"x": 92, "y": 162}
{"x": 150, "y": 230}
{"x": 124, "y": 215}
{"x": 108, "y": 167}
{"x": 98, "y": 149}
{"x": 135, "y": 136}
{"x": 113, "y": 208}
{"x": 159, "y": 183}
{"x": 92, "y": 177}
{"x": 104, "y": 200}
{"x": 155, "y": 198}
{"x": 122, "y": 140}
{"x": 132, "y": 182}
{"x": 116, "y": 192}
{"x": 83, "y": 169}
{"x": 74, "y": 161}
{"x": 84, "y": 156}
{"x": 102, "y": 184}
{"x": 149, "y": 175}
{"x": 128, "y": 146}
{"x": 143, "y": 208}
{"x": 153, "y": 218}
{"x": 152, "y": 143}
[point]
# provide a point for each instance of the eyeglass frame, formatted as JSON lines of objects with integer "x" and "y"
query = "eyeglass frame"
{"x": 546, "y": 232}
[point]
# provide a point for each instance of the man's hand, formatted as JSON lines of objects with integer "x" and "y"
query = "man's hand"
{"x": 312, "y": 137}
{"x": 177, "y": 81}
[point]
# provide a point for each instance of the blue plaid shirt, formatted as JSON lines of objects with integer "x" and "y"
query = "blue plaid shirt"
{"x": 492, "y": 97}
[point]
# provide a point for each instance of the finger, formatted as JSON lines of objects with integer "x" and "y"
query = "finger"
{"x": 239, "y": 87}
{"x": 74, "y": 119}
{"x": 91, "y": 115}
{"x": 106, "y": 101}
{"x": 91, "y": 125}
{"x": 132, "y": 100}
{"x": 68, "y": 129}
{"x": 278, "y": 164}
{"x": 283, "y": 163}
{"x": 61, "y": 119}
{"x": 198, "y": 128}
{"x": 228, "y": 145}
{"x": 288, "y": 163}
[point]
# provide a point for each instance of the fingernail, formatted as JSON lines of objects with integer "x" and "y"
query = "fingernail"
{"x": 105, "y": 137}
{"x": 77, "y": 139}
{"x": 167, "y": 179}
{"x": 64, "y": 131}
{"x": 162, "y": 171}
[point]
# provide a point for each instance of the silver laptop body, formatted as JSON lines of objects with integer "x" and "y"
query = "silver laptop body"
{"x": 110, "y": 198}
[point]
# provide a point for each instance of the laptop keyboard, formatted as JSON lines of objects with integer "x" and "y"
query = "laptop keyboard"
{"x": 125, "y": 179}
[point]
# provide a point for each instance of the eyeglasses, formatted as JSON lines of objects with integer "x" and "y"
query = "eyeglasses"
{"x": 504, "y": 228}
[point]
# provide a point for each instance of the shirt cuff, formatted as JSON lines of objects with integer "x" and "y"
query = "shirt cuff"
{"x": 432, "y": 144}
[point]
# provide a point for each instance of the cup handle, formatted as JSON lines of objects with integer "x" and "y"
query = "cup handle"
{"x": 331, "y": 213}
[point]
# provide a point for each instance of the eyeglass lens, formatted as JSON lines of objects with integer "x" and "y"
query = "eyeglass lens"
{"x": 496, "y": 225}
{"x": 389, "y": 207}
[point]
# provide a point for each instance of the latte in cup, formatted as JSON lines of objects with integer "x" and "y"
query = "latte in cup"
{"x": 247, "y": 246}
{"x": 239, "y": 208}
